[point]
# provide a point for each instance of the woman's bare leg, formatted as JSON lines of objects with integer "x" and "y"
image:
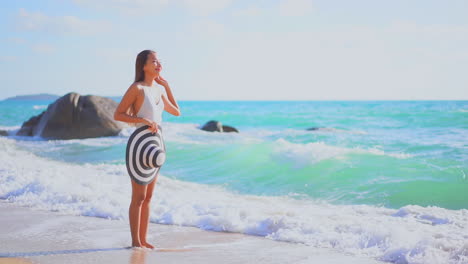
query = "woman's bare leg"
{"x": 145, "y": 212}
{"x": 138, "y": 196}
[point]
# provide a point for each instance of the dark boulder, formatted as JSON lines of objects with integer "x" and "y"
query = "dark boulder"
{"x": 28, "y": 126}
{"x": 73, "y": 116}
{"x": 229, "y": 129}
{"x": 217, "y": 126}
{"x": 213, "y": 126}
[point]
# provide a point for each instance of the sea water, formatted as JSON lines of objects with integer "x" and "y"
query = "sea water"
{"x": 385, "y": 179}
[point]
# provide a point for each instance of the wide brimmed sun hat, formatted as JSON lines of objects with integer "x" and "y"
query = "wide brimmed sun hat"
{"x": 145, "y": 154}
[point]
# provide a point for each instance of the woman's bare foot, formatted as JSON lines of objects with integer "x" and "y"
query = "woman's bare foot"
{"x": 137, "y": 244}
{"x": 148, "y": 245}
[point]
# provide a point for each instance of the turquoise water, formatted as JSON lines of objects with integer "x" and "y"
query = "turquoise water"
{"x": 397, "y": 164}
{"x": 385, "y": 153}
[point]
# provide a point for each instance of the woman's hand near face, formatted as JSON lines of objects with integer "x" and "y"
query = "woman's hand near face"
{"x": 170, "y": 104}
{"x": 161, "y": 81}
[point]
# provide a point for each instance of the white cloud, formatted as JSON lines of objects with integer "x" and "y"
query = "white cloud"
{"x": 295, "y": 7}
{"x": 37, "y": 21}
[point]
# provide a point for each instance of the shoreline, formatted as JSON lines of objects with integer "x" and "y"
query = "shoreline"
{"x": 29, "y": 235}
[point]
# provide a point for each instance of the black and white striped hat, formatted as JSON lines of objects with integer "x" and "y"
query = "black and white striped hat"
{"x": 145, "y": 154}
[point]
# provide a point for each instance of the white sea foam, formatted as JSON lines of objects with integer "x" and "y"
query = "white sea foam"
{"x": 311, "y": 153}
{"x": 411, "y": 234}
{"x": 37, "y": 107}
{"x": 127, "y": 131}
{"x": 9, "y": 127}
{"x": 266, "y": 133}
{"x": 337, "y": 130}
{"x": 95, "y": 142}
{"x": 11, "y": 130}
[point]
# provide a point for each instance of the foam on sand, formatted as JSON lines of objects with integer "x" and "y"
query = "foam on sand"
{"x": 36, "y": 236}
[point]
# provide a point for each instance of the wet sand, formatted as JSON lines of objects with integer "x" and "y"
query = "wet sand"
{"x": 37, "y": 236}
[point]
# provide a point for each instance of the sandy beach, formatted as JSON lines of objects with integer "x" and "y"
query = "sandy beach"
{"x": 37, "y": 236}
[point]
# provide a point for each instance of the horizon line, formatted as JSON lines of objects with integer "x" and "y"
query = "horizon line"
{"x": 253, "y": 100}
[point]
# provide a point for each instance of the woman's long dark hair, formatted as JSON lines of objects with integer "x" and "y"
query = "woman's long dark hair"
{"x": 141, "y": 59}
{"x": 140, "y": 63}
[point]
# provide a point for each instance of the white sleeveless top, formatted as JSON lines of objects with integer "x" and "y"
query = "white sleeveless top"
{"x": 152, "y": 106}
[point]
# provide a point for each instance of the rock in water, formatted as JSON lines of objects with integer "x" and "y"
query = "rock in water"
{"x": 213, "y": 126}
{"x": 230, "y": 129}
{"x": 28, "y": 126}
{"x": 73, "y": 116}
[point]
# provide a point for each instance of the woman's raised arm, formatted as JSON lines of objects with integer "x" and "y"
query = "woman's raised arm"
{"x": 170, "y": 104}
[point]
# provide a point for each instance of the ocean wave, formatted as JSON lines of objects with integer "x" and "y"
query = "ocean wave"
{"x": 126, "y": 132}
{"x": 337, "y": 130}
{"x": 311, "y": 153}
{"x": 189, "y": 136}
{"x": 37, "y": 144}
{"x": 264, "y": 133}
{"x": 300, "y": 153}
{"x": 93, "y": 142}
{"x": 411, "y": 234}
{"x": 11, "y": 130}
{"x": 9, "y": 127}
{"x": 37, "y": 107}
{"x": 188, "y": 133}
{"x": 192, "y": 134}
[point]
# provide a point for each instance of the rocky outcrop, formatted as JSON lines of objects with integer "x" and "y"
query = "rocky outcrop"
{"x": 217, "y": 126}
{"x": 28, "y": 126}
{"x": 73, "y": 116}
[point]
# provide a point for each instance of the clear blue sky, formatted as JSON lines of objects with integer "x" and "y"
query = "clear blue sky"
{"x": 239, "y": 50}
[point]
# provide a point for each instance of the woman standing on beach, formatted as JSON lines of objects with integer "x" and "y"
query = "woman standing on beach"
{"x": 143, "y": 104}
